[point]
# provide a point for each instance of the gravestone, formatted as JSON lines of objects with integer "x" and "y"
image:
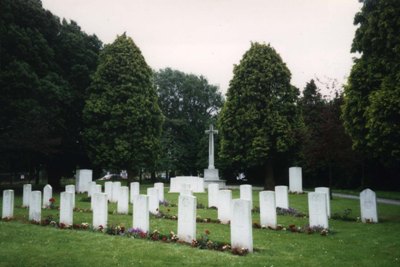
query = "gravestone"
{"x": 187, "y": 218}
{"x": 96, "y": 189}
{"x": 211, "y": 174}
{"x": 141, "y": 213}
{"x": 100, "y": 210}
{"x": 295, "y": 180}
{"x": 108, "y": 190}
{"x": 35, "y": 206}
{"x": 66, "y": 208}
{"x": 317, "y": 210}
{"x": 241, "y": 225}
{"x": 213, "y": 190}
{"x": 123, "y": 200}
{"x": 8, "y": 204}
{"x": 325, "y": 190}
{"x": 369, "y": 211}
{"x": 160, "y": 188}
{"x": 71, "y": 189}
{"x": 153, "y": 200}
{"x": 186, "y": 192}
{"x": 224, "y": 206}
{"x": 26, "y": 195}
{"x": 268, "y": 209}
{"x": 47, "y": 194}
{"x": 281, "y": 196}
{"x": 116, "y": 186}
{"x": 195, "y": 183}
{"x": 246, "y": 193}
{"x": 135, "y": 190}
{"x": 92, "y": 185}
{"x": 83, "y": 178}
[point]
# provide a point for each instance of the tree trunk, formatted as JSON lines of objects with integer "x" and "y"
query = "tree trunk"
{"x": 269, "y": 182}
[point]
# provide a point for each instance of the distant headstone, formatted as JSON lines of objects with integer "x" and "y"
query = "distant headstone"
{"x": 153, "y": 200}
{"x": 71, "y": 189}
{"x": 295, "y": 180}
{"x": 246, "y": 193}
{"x": 281, "y": 196}
{"x": 116, "y": 186}
{"x": 100, "y": 210}
{"x": 160, "y": 187}
{"x": 369, "y": 211}
{"x": 66, "y": 208}
{"x": 135, "y": 190}
{"x": 318, "y": 215}
{"x": 268, "y": 209}
{"x": 96, "y": 189}
{"x": 26, "y": 196}
{"x": 186, "y": 192}
{"x": 213, "y": 190}
{"x": 123, "y": 200}
{"x": 47, "y": 194}
{"x": 92, "y": 185}
{"x": 187, "y": 218}
{"x": 35, "y": 206}
{"x": 83, "y": 178}
{"x": 141, "y": 213}
{"x": 241, "y": 225}
{"x": 195, "y": 183}
{"x": 108, "y": 186}
{"x": 325, "y": 190}
{"x": 8, "y": 204}
{"x": 224, "y": 205}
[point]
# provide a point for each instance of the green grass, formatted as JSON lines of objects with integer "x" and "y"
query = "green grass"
{"x": 351, "y": 243}
{"x": 380, "y": 194}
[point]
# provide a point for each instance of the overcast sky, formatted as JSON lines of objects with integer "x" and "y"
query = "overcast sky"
{"x": 207, "y": 37}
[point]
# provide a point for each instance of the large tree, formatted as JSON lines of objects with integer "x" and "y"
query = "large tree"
{"x": 122, "y": 118}
{"x": 260, "y": 118}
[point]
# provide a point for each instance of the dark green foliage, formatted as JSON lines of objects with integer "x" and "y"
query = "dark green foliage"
{"x": 122, "y": 117}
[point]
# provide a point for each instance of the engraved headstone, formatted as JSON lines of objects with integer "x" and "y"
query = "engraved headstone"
{"x": 47, "y": 194}
{"x": 153, "y": 200}
{"x": 241, "y": 225}
{"x": 317, "y": 210}
{"x": 92, "y": 185}
{"x": 224, "y": 205}
{"x": 141, "y": 213}
{"x": 116, "y": 186}
{"x": 96, "y": 189}
{"x": 325, "y": 190}
{"x": 108, "y": 187}
{"x": 35, "y": 206}
{"x": 187, "y": 218}
{"x": 135, "y": 190}
{"x": 295, "y": 180}
{"x": 369, "y": 211}
{"x": 246, "y": 193}
{"x": 160, "y": 187}
{"x": 100, "y": 210}
{"x": 268, "y": 209}
{"x": 71, "y": 189}
{"x": 213, "y": 190}
{"x": 8, "y": 204}
{"x": 66, "y": 208}
{"x": 83, "y": 178}
{"x": 26, "y": 195}
{"x": 123, "y": 200}
{"x": 281, "y": 196}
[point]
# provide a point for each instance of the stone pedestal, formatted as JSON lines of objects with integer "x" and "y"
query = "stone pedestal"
{"x": 211, "y": 176}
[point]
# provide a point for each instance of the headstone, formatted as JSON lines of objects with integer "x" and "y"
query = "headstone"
{"x": 47, "y": 194}
{"x": 295, "y": 180}
{"x": 187, "y": 218}
{"x": 213, "y": 195}
{"x": 246, "y": 193}
{"x": 35, "y": 206}
{"x": 96, "y": 189}
{"x": 108, "y": 190}
{"x": 135, "y": 190}
{"x": 153, "y": 200}
{"x": 186, "y": 192}
{"x": 224, "y": 205}
{"x": 281, "y": 196}
{"x": 92, "y": 185}
{"x": 369, "y": 211}
{"x": 116, "y": 186}
{"x": 100, "y": 210}
{"x": 66, "y": 208}
{"x": 26, "y": 195}
{"x": 123, "y": 200}
{"x": 160, "y": 187}
{"x": 241, "y": 225}
{"x": 83, "y": 178}
{"x": 317, "y": 210}
{"x": 71, "y": 189}
{"x": 195, "y": 183}
{"x": 268, "y": 209}
{"x": 325, "y": 190}
{"x": 141, "y": 213}
{"x": 8, "y": 204}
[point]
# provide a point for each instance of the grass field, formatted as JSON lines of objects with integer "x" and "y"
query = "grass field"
{"x": 350, "y": 243}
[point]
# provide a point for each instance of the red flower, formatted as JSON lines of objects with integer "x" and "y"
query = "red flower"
{"x": 52, "y": 200}
{"x": 207, "y": 232}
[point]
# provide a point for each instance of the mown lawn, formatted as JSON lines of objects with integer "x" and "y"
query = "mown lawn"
{"x": 350, "y": 243}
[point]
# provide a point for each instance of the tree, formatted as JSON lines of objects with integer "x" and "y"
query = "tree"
{"x": 259, "y": 120}
{"x": 189, "y": 103}
{"x": 122, "y": 118}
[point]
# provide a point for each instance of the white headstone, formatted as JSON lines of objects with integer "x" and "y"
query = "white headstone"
{"x": 83, "y": 178}
{"x": 47, "y": 194}
{"x": 295, "y": 180}
{"x": 66, "y": 208}
{"x": 96, "y": 189}
{"x": 116, "y": 186}
{"x": 123, "y": 200}
{"x": 224, "y": 205}
{"x": 141, "y": 213}
{"x": 317, "y": 210}
{"x": 369, "y": 211}
{"x": 187, "y": 218}
{"x": 268, "y": 209}
{"x": 108, "y": 190}
{"x": 246, "y": 193}
{"x": 282, "y": 196}
{"x": 26, "y": 195}
{"x": 213, "y": 195}
{"x": 196, "y": 184}
{"x": 325, "y": 190}
{"x": 186, "y": 192}
{"x": 241, "y": 225}
{"x": 153, "y": 200}
{"x": 8, "y": 204}
{"x": 135, "y": 190}
{"x": 35, "y": 206}
{"x": 100, "y": 210}
{"x": 71, "y": 189}
{"x": 160, "y": 187}
{"x": 92, "y": 185}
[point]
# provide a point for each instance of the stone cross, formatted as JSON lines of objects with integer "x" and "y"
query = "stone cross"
{"x": 211, "y": 133}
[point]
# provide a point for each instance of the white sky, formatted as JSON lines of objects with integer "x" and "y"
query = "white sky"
{"x": 207, "y": 37}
